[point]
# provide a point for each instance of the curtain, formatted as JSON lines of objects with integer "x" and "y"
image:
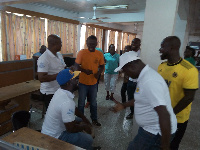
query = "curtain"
{"x": 99, "y": 35}
{"x": 89, "y": 31}
{"x": 125, "y": 40}
{"x": 111, "y": 38}
{"x": 68, "y": 34}
{"x": 22, "y": 35}
{"x": 131, "y": 37}
{"x": 119, "y": 39}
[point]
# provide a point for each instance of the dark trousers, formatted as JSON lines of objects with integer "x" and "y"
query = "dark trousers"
{"x": 46, "y": 99}
{"x": 131, "y": 86}
{"x": 181, "y": 127}
{"x": 88, "y": 97}
{"x": 123, "y": 92}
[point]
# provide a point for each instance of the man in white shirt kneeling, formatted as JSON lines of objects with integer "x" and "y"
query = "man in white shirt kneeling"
{"x": 60, "y": 120}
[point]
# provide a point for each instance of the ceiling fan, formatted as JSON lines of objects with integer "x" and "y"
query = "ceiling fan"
{"x": 94, "y": 16}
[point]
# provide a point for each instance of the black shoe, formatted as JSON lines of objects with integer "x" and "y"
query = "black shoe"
{"x": 107, "y": 97}
{"x": 97, "y": 148}
{"x": 130, "y": 116}
{"x": 96, "y": 123}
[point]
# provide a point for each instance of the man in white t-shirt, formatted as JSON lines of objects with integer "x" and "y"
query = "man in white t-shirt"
{"x": 152, "y": 105}
{"x": 60, "y": 121}
{"x": 132, "y": 83}
{"x": 50, "y": 63}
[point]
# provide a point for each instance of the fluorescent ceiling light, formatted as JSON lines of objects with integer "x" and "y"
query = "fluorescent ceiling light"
{"x": 113, "y": 7}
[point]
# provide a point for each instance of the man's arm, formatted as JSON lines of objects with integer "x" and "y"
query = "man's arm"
{"x": 44, "y": 77}
{"x": 121, "y": 106}
{"x": 74, "y": 127}
{"x": 165, "y": 126}
{"x": 78, "y": 67}
{"x": 101, "y": 68}
{"x": 185, "y": 101}
{"x": 80, "y": 115}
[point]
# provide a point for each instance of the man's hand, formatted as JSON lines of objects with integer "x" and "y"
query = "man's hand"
{"x": 88, "y": 129}
{"x": 117, "y": 107}
{"x": 96, "y": 75}
{"x": 88, "y": 72}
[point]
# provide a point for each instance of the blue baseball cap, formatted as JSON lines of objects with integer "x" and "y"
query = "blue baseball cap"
{"x": 65, "y": 75}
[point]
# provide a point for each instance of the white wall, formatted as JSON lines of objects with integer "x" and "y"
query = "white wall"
{"x": 160, "y": 17}
{"x": 139, "y": 30}
{"x": 111, "y": 25}
{"x": 180, "y": 31}
{"x": 194, "y": 38}
{"x": 0, "y": 39}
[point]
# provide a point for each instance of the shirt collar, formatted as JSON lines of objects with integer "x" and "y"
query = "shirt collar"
{"x": 70, "y": 94}
{"x": 50, "y": 53}
{"x": 112, "y": 55}
{"x": 144, "y": 70}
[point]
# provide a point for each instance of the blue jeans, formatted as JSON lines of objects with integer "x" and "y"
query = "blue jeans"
{"x": 131, "y": 86}
{"x": 91, "y": 91}
{"x": 79, "y": 139}
{"x": 146, "y": 141}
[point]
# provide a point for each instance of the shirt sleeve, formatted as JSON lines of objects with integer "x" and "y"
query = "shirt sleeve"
{"x": 68, "y": 111}
{"x": 101, "y": 61}
{"x": 43, "y": 65}
{"x": 191, "y": 79}
{"x": 78, "y": 58}
{"x": 61, "y": 59}
{"x": 155, "y": 93}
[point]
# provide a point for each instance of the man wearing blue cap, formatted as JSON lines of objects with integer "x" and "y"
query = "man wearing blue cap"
{"x": 60, "y": 120}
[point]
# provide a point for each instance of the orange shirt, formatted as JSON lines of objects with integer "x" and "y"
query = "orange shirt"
{"x": 89, "y": 60}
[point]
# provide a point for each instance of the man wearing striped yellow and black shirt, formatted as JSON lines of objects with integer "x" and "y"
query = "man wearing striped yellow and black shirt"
{"x": 182, "y": 79}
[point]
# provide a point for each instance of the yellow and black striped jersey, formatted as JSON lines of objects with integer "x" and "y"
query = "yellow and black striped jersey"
{"x": 179, "y": 76}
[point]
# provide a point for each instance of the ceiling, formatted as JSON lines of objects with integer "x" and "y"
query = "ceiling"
{"x": 84, "y": 8}
{"x": 87, "y": 5}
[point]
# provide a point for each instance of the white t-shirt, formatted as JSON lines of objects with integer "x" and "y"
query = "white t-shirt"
{"x": 51, "y": 64}
{"x": 152, "y": 91}
{"x": 61, "y": 110}
{"x": 131, "y": 79}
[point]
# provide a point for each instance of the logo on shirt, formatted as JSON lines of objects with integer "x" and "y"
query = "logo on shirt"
{"x": 174, "y": 74}
{"x": 70, "y": 112}
{"x": 41, "y": 65}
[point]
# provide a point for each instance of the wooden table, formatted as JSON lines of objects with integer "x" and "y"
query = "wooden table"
{"x": 19, "y": 92}
{"x": 14, "y": 98}
{"x": 34, "y": 138}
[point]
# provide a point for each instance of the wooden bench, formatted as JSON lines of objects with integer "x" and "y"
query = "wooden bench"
{"x": 37, "y": 139}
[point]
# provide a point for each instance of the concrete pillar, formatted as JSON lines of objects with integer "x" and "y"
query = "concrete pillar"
{"x": 181, "y": 27}
{"x": 180, "y": 31}
{"x": 0, "y": 38}
{"x": 159, "y": 22}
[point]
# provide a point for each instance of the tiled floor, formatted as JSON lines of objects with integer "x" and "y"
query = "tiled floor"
{"x": 116, "y": 132}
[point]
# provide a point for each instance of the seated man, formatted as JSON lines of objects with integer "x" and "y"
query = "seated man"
{"x": 42, "y": 50}
{"x": 60, "y": 121}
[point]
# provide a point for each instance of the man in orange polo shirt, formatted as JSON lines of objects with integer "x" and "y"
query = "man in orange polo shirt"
{"x": 91, "y": 64}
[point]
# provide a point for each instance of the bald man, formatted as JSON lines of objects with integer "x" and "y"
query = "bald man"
{"x": 182, "y": 80}
{"x": 49, "y": 65}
